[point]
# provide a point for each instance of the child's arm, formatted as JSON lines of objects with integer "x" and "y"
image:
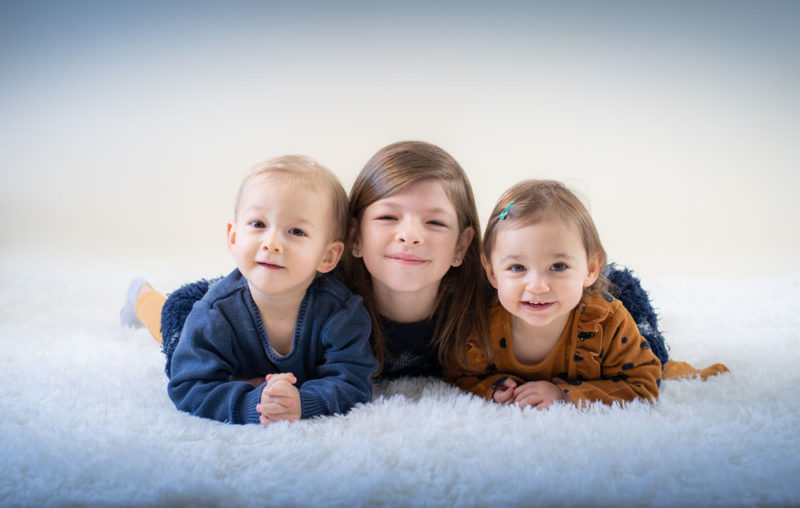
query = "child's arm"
{"x": 628, "y": 368}
{"x": 344, "y": 366}
{"x": 202, "y": 368}
{"x": 481, "y": 378}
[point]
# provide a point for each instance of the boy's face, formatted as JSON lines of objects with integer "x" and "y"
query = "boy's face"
{"x": 282, "y": 236}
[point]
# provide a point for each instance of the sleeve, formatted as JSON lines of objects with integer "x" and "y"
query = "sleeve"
{"x": 479, "y": 377}
{"x": 344, "y": 372}
{"x": 628, "y": 370}
{"x": 201, "y": 369}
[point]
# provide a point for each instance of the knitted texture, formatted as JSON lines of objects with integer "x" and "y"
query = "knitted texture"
{"x": 173, "y": 315}
{"x": 628, "y": 289}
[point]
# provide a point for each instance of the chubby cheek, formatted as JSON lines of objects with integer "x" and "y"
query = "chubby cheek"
{"x": 507, "y": 293}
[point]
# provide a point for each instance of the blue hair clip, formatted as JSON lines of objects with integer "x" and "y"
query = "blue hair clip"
{"x": 505, "y": 212}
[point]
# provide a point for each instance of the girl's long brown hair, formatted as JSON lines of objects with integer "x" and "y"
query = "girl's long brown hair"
{"x": 461, "y": 305}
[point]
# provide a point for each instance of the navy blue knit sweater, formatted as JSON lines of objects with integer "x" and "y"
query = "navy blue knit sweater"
{"x": 224, "y": 338}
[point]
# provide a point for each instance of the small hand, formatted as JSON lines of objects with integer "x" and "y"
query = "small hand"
{"x": 539, "y": 394}
{"x": 504, "y": 390}
{"x": 280, "y": 399}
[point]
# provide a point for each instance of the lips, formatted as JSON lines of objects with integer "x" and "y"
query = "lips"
{"x": 269, "y": 266}
{"x": 407, "y": 259}
{"x": 535, "y": 306}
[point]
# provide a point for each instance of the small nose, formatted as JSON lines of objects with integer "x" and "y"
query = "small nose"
{"x": 272, "y": 242}
{"x": 409, "y": 232}
{"x": 537, "y": 283}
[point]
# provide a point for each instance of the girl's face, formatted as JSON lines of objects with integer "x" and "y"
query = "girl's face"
{"x": 540, "y": 272}
{"x": 409, "y": 240}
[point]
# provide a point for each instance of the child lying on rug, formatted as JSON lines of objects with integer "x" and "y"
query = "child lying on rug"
{"x": 556, "y": 334}
{"x": 279, "y": 312}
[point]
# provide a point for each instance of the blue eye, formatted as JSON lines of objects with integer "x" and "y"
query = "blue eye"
{"x": 516, "y": 268}
{"x": 559, "y": 267}
{"x": 297, "y": 232}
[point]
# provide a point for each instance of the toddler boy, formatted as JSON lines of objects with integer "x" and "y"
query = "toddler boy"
{"x": 280, "y": 313}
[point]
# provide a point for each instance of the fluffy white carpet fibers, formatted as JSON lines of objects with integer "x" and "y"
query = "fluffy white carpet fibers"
{"x": 86, "y": 419}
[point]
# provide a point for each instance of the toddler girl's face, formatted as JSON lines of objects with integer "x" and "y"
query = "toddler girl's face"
{"x": 409, "y": 240}
{"x": 540, "y": 272}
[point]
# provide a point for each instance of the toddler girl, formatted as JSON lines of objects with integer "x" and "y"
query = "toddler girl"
{"x": 556, "y": 334}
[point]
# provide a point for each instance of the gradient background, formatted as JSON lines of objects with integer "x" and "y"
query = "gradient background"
{"x": 127, "y": 125}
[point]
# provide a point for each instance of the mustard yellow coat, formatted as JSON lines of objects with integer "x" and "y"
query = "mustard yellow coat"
{"x": 600, "y": 354}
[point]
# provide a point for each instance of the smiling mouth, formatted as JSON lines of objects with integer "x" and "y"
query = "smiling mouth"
{"x": 538, "y": 306}
{"x": 407, "y": 260}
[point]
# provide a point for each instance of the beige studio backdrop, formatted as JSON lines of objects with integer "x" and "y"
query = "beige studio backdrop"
{"x": 128, "y": 125}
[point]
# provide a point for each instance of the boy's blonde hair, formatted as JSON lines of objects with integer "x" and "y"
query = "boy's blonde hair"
{"x": 535, "y": 201}
{"x": 304, "y": 171}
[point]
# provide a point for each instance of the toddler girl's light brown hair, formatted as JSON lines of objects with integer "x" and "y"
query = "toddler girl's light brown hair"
{"x": 536, "y": 201}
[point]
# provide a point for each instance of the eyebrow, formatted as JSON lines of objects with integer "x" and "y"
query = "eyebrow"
{"x": 433, "y": 210}
{"x": 557, "y": 255}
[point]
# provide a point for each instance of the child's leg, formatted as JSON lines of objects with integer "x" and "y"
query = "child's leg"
{"x": 628, "y": 289}
{"x": 148, "y": 309}
{"x": 636, "y": 300}
{"x": 174, "y": 312}
{"x": 673, "y": 370}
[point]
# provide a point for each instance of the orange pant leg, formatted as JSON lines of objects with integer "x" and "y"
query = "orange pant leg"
{"x": 148, "y": 310}
{"x": 674, "y": 370}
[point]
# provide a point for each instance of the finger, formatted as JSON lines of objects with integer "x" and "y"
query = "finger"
{"x": 288, "y": 402}
{"x": 528, "y": 399}
{"x": 275, "y": 411}
{"x": 282, "y": 415}
{"x": 558, "y": 381}
{"x": 502, "y": 396}
{"x": 282, "y": 376}
{"x": 282, "y": 390}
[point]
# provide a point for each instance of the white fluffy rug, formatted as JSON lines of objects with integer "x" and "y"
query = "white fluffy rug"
{"x": 85, "y": 418}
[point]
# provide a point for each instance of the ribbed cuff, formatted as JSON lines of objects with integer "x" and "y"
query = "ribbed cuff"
{"x": 312, "y": 404}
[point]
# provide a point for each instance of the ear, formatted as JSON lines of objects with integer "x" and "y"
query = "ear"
{"x": 354, "y": 236}
{"x": 463, "y": 244}
{"x": 593, "y": 271}
{"x": 333, "y": 253}
{"x": 487, "y": 267}
{"x": 231, "y": 236}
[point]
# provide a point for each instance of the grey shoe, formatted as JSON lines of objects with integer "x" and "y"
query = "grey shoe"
{"x": 127, "y": 314}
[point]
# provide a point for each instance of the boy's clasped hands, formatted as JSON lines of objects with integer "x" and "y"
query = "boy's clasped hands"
{"x": 280, "y": 399}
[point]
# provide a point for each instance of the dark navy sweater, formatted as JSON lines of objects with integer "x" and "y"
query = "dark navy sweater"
{"x": 224, "y": 338}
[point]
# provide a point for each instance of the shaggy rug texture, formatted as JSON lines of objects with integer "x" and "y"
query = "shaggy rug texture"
{"x": 86, "y": 419}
